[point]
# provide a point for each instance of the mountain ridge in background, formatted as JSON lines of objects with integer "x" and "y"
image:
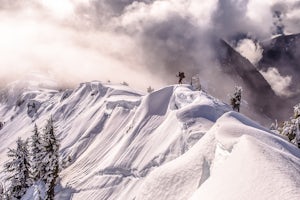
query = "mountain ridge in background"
{"x": 283, "y": 54}
{"x": 256, "y": 90}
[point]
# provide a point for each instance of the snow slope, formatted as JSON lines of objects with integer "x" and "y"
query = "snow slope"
{"x": 174, "y": 143}
{"x": 236, "y": 159}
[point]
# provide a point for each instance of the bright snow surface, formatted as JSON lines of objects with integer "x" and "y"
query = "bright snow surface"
{"x": 174, "y": 143}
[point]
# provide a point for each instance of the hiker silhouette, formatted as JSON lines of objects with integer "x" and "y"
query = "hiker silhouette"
{"x": 181, "y": 76}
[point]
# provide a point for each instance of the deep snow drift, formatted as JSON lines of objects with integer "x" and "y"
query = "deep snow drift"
{"x": 174, "y": 143}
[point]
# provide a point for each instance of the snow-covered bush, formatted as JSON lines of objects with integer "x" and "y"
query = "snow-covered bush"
{"x": 291, "y": 127}
{"x": 150, "y": 89}
{"x": 125, "y": 83}
{"x": 235, "y": 99}
{"x": 195, "y": 82}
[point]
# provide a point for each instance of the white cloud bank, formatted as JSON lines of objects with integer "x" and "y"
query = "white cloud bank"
{"x": 250, "y": 50}
{"x": 280, "y": 84}
{"x": 141, "y": 42}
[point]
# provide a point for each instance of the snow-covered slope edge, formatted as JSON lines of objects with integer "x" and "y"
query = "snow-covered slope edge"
{"x": 164, "y": 126}
{"x": 236, "y": 159}
{"x": 174, "y": 143}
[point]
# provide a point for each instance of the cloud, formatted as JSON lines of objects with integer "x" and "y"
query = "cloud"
{"x": 292, "y": 18}
{"x": 173, "y": 38}
{"x": 250, "y": 50}
{"x": 280, "y": 84}
{"x": 31, "y": 42}
{"x": 148, "y": 41}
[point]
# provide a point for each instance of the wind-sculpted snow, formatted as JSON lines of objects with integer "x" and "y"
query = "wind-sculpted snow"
{"x": 174, "y": 143}
{"x": 235, "y": 159}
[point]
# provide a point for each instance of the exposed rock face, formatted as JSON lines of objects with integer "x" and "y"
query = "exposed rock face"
{"x": 257, "y": 92}
{"x": 283, "y": 54}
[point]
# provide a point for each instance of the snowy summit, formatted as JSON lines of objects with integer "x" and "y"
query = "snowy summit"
{"x": 172, "y": 144}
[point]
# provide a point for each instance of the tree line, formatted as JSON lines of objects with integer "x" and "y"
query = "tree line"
{"x": 34, "y": 161}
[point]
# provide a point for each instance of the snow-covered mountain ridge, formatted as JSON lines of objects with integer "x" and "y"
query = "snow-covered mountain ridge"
{"x": 174, "y": 143}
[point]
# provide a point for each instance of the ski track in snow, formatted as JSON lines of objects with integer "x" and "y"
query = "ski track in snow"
{"x": 174, "y": 143}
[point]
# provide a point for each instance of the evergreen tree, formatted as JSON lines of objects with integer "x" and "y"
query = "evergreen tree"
{"x": 291, "y": 127}
{"x": 36, "y": 154}
{"x": 235, "y": 99}
{"x": 50, "y": 163}
{"x": 195, "y": 82}
{"x": 125, "y": 83}
{"x": 18, "y": 167}
{"x": 150, "y": 89}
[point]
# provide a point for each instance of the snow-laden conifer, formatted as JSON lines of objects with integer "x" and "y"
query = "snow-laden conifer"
{"x": 236, "y": 97}
{"x": 50, "y": 163}
{"x": 37, "y": 154}
{"x": 291, "y": 127}
{"x": 18, "y": 168}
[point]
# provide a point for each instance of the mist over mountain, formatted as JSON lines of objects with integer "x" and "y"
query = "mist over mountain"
{"x": 149, "y": 40}
{"x": 146, "y": 42}
{"x": 67, "y": 58}
{"x": 282, "y": 53}
{"x": 280, "y": 65}
{"x": 257, "y": 92}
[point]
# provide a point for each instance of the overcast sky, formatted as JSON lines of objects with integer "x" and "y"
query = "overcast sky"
{"x": 143, "y": 42}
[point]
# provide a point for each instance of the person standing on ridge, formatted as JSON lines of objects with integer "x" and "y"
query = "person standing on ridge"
{"x": 180, "y": 76}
